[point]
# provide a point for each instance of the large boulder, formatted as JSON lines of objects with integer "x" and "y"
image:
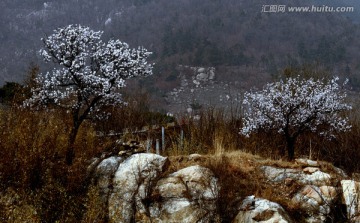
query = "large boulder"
{"x": 316, "y": 202}
{"x": 255, "y": 210}
{"x": 104, "y": 173}
{"x": 351, "y": 197}
{"x": 135, "y": 189}
{"x": 188, "y": 195}
{"x": 132, "y": 185}
{"x": 312, "y": 176}
{"x": 318, "y": 194}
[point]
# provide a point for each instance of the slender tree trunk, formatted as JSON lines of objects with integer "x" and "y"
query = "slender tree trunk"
{"x": 290, "y": 147}
{"x": 78, "y": 117}
{"x": 70, "y": 152}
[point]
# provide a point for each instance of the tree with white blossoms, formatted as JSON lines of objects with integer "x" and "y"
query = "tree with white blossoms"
{"x": 89, "y": 74}
{"x": 294, "y": 106}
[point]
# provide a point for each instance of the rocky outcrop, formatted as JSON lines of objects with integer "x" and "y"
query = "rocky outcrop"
{"x": 136, "y": 189}
{"x": 189, "y": 194}
{"x": 307, "y": 175}
{"x": 132, "y": 184}
{"x": 307, "y": 162}
{"x": 316, "y": 201}
{"x": 254, "y": 210}
{"x": 132, "y": 189}
{"x": 351, "y": 197}
{"x": 141, "y": 188}
{"x": 317, "y": 193}
{"x": 104, "y": 174}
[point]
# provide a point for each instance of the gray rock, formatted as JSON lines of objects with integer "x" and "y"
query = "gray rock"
{"x": 104, "y": 173}
{"x": 340, "y": 172}
{"x": 351, "y": 189}
{"x": 195, "y": 157}
{"x": 307, "y": 162}
{"x": 201, "y": 70}
{"x": 316, "y": 201}
{"x": 132, "y": 184}
{"x": 188, "y": 195}
{"x": 255, "y": 210}
{"x": 202, "y": 77}
{"x": 279, "y": 175}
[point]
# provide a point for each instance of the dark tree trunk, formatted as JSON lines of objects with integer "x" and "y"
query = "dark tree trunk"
{"x": 70, "y": 152}
{"x": 290, "y": 147}
{"x": 79, "y": 116}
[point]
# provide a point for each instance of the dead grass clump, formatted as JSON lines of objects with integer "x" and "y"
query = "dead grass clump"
{"x": 237, "y": 179}
{"x": 32, "y": 151}
{"x": 96, "y": 209}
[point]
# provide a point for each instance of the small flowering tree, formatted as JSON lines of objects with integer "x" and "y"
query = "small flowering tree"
{"x": 294, "y": 106}
{"x": 88, "y": 76}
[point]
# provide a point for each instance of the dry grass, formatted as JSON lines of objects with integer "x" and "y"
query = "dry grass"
{"x": 32, "y": 151}
{"x": 239, "y": 175}
{"x": 33, "y": 145}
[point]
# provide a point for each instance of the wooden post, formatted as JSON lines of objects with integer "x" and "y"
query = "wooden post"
{"x": 181, "y": 139}
{"x": 148, "y": 145}
{"x": 157, "y": 147}
{"x": 163, "y": 139}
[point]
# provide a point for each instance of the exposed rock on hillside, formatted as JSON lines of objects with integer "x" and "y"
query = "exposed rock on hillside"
{"x": 132, "y": 184}
{"x": 351, "y": 196}
{"x": 306, "y": 176}
{"x": 189, "y": 195}
{"x": 151, "y": 188}
{"x": 316, "y": 201}
{"x": 137, "y": 189}
{"x": 254, "y": 210}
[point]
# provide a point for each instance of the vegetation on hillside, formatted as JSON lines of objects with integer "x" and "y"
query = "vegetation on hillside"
{"x": 33, "y": 145}
{"x": 35, "y": 142}
{"x": 197, "y": 33}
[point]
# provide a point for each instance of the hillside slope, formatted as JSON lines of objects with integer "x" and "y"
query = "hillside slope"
{"x": 233, "y": 36}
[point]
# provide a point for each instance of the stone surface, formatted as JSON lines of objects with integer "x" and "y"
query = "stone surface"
{"x": 135, "y": 193}
{"x": 279, "y": 175}
{"x": 195, "y": 157}
{"x": 310, "y": 170}
{"x": 134, "y": 189}
{"x": 307, "y": 162}
{"x": 104, "y": 173}
{"x": 328, "y": 191}
{"x": 132, "y": 183}
{"x": 351, "y": 189}
{"x": 188, "y": 195}
{"x": 340, "y": 172}
{"x": 315, "y": 201}
{"x": 254, "y": 210}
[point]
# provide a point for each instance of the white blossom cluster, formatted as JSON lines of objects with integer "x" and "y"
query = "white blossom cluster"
{"x": 91, "y": 71}
{"x": 295, "y": 105}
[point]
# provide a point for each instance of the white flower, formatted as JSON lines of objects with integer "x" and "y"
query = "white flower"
{"x": 91, "y": 71}
{"x": 295, "y": 105}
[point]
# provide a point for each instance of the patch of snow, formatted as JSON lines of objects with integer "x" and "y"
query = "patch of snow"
{"x": 108, "y": 22}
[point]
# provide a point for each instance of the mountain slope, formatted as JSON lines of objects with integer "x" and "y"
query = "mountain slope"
{"x": 225, "y": 34}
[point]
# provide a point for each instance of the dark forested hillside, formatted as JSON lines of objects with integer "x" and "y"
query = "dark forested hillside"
{"x": 216, "y": 33}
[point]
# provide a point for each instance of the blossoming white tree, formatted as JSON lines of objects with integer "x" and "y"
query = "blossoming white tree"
{"x": 89, "y": 74}
{"x": 296, "y": 105}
